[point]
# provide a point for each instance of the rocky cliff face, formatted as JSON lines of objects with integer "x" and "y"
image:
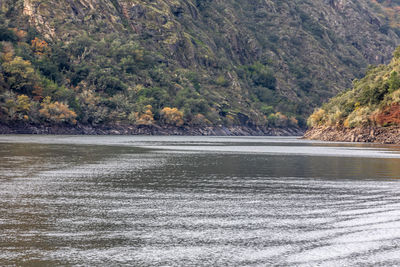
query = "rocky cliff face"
{"x": 261, "y": 62}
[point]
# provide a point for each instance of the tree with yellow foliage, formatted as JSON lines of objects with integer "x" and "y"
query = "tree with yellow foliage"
{"x": 23, "y": 103}
{"x": 23, "y": 106}
{"x": 20, "y": 75}
{"x": 39, "y": 47}
{"x": 7, "y": 53}
{"x": 16, "y": 107}
{"x": 146, "y": 118}
{"x": 56, "y": 112}
{"x": 317, "y": 118}
{"x": 172, "y": 116}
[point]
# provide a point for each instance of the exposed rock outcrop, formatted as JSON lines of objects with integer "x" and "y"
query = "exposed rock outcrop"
{"x": 147, "y": 130}
{"x": 382, "y": 135}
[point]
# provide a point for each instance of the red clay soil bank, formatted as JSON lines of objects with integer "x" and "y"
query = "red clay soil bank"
{"x": 389, "y": 116}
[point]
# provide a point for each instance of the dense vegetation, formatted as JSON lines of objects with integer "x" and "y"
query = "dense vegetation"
{"x": 389, "y": 11}
{"x": 181, "y": 62}
{"x": 373, "y": 101}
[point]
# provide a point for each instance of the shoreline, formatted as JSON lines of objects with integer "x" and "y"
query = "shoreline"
{"x": 80, "y": 129}
{"x": 379, "y": 135}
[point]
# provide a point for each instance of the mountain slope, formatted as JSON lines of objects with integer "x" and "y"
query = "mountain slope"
{"x": 365, "y": 104}
{"x": 368, "y": 112}
{"x": 254, "y": 63}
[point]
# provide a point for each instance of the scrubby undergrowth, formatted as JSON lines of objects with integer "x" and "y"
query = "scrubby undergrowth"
{"x": 373, "y": 101}
{"x": 182, "y": 63}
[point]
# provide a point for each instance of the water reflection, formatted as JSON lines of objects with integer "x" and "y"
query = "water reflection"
{"x": 146, "y": 201}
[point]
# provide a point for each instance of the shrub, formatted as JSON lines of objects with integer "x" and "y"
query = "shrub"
{"x": 265, "y": 109}
{"x": 20, "y": 75}
{"x": 39, "y": 47}
{"x": 262, "y": 75}
{"x": 265, "y": 78}
{"x": 334, "y": 117}
{"x": 90, "y": 109}
{"x": 222, "y": 81}
{"x": 278, "y": 119}
{"x": 200, "y": 120}
{"x": 146, "y": 118}
{"x": 396, "y": 53}
{"x": 156, "y": 96}
{"x": 15, "y": 107}
{"x": 359, "y": 117}
{"x": 7, "y": 35}
{"x": 394, "y": 81}
{"x": 23, "y": 103}
{"x": 395, "y": 97}
{"x": 316, "y": 118}
{"x": 56, "y": 112}
{"x": 109, "y": 84}
{"x": 172, "y": 116}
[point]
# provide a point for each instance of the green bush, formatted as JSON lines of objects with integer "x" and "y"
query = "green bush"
{"x": 7, "y": 35}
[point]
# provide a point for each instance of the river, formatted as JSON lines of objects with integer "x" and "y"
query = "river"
{"x": 197, "y": 201}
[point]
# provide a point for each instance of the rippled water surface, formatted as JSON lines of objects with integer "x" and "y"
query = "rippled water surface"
{"x": 197, "y": 201}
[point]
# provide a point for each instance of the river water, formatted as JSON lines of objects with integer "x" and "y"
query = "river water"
{"x": 197, "y": 201}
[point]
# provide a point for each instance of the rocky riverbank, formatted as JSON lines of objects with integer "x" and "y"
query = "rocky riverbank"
{"x": 382, "y": 135}
{"x": 147, "y": 130}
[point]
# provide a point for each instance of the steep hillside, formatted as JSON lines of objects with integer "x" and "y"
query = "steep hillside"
{"x": 173, "y": 62}
{"x": 389, "y": 12}
{"x": 371, "y": 107}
